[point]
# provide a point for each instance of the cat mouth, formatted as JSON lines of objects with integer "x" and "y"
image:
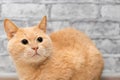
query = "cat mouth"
{"x": 36, "y": 54}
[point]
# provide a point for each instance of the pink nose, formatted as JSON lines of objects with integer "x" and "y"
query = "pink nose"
{"x": 35, "y": 48}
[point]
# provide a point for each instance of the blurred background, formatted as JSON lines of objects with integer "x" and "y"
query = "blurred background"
{"x": 99, "y": 19}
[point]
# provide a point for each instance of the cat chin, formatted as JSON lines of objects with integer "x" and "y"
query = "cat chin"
{"x": 37, "y": 61}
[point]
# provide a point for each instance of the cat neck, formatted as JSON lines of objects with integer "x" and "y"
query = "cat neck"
{"x": 29, "y": 71}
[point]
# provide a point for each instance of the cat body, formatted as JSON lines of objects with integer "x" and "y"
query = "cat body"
{"x": 67, "y": 54}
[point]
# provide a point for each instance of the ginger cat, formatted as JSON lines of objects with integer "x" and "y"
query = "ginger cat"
{"x": 64, "y": 55}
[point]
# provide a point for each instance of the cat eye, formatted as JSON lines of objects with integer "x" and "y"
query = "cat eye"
{"x": 24, "y": 41}
{"x": 39, "y": 39}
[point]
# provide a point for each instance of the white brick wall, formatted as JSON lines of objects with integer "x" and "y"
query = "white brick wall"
{"x": 98, "y": 29}
{"x": 111, "y": 12}
{"x": 23, "y": 10}
{"x": 73, "y": 11}
{"x": 99, "y": 19}
{"x": 64, "y": 1}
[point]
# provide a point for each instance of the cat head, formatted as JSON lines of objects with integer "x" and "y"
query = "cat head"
{"x": 30, "y": 45}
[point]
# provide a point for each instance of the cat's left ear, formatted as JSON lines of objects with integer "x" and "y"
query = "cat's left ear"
{"x": 42, "y": 25}
{"x": 10, "y": 28}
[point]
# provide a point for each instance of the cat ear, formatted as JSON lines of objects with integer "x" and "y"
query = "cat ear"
{"x": 10, "y": 28}
{"x": 43, "y": 24}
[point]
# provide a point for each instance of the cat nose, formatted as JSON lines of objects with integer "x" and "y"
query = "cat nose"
{"x": 35, "y": 48}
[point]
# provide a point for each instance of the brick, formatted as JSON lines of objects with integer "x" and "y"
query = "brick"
{"x": 110, "y": 12}
{"x": 5, "y": 42}
{"x": 73, "y": 11}
{"x": 112, "y": 64}
{"x": 55, "y": 26}
{"x": 117, "y": 69}
{"x": 23, "y": 10}
{"x": 3, "y": 48}
{"x": 97, "y": 43}
{"x": 110, "y": 1}
{"x": 12, "y": 1}
{"x": 108, "y": 46}
{"x": 1, "y": 28}
{"x": 6, "y": 64}
{"x": 20, "y": 23}
{"x": 63, "y": 1}
{"x": 52, "y": 25}
{"x": 98, "y": 29}
{"x": 34, "y": 21}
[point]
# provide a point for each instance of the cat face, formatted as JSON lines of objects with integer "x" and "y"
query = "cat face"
{"x": 30, "y": 45}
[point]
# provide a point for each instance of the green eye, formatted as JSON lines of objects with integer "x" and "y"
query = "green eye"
{"x": 24, "y": 41}
{"x": 39, "y": 39}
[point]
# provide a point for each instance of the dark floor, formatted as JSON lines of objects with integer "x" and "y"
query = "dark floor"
{"x": 111, "y": 78}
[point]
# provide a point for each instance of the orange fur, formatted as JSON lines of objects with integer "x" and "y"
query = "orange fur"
{"x": 64, "y": 55}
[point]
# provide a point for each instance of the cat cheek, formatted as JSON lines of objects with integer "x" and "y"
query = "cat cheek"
{"x": 41, "y": 52}
{"x": 25, "y": 55}
{"x": 28, "y": 54}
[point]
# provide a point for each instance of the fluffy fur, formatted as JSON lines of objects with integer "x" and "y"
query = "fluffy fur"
{"x": 67, "y": 54}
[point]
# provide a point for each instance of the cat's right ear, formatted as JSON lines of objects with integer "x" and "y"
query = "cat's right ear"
{"x": 10, "y": 28}
{"x": 42, "y": 25}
